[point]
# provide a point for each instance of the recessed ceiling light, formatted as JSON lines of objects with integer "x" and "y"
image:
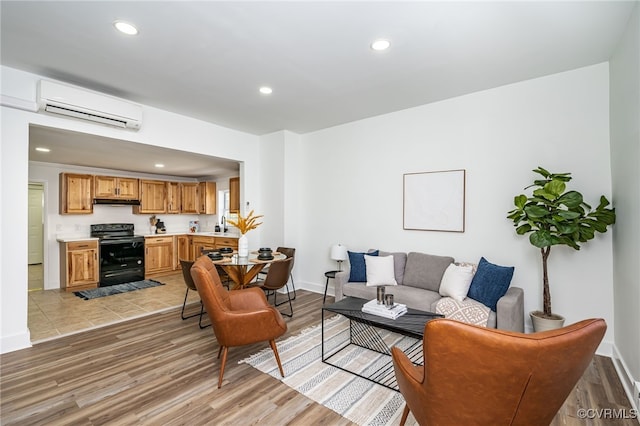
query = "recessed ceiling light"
{"x": 266, "y": 90}
{"x": 159, "y": 165}
{"x": 380, "y": 44}
{"x": 41, "y": 149}
{"x": 125, "y": 28}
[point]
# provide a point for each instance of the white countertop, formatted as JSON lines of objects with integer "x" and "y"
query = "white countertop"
{"x": 72, "y": 239}
{"x": 197, "y": 234}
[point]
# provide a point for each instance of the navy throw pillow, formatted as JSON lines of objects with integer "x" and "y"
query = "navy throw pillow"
{"x": 358, "y": 272}
{"x": 490, "y": 283}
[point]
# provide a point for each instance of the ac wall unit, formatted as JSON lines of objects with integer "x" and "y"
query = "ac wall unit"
{"x": 79, "y": 103}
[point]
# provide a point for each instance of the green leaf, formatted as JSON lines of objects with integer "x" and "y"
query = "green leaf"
{"x": 555, "y": 187}
{"x": 523, "y": 229}
{"x": 520, "y": 201}
{"x": 541, "y": 239}
{"x": 535, "y": 211}
{"x": 542, "y": 192}
{"x": 571, "y": 199}
{"x": 568, "y": 215}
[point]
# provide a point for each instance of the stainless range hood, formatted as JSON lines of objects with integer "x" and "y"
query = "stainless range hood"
{"x": 111, "y": 202}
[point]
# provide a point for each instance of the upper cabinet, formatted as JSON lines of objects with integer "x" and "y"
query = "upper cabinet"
{"x": 207, "y": 195}
{"x": 76, "y": 193}
{"x": 189, "y": 202}
{"x": 153, "y": 197}
{"x": 234, "y": 194}
{"x": 111, "y": 187}
{"x": 173, "y": 197}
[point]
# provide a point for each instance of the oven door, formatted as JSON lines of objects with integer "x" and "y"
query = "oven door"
{"x": 121, "y": 261}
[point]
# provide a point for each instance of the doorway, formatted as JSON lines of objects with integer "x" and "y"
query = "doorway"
{"x": 35, "y": 244}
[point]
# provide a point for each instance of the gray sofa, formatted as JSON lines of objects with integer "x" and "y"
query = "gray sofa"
{"x": 418, "y": 284}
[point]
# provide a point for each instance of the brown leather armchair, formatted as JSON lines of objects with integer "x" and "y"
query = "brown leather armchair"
{"x": 277, "y": 278}
{"x": 239, "y": 317}
{"x": 479, "y": 376}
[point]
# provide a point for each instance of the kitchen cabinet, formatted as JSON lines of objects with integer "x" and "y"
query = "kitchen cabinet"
{"x": 152, "y": 197}
{"x": 158, "y": 255}
{"x": 184, "y": 244}
{"x": 202, "y": 243}
{"x": 207, "y": 194}
{"x": 79, "y": 265}
{"x": 117, "y": 188}
{"x": 230, "y": 242}
{"x": 189, "y": 202}
{"x": 234, "y": 195}
{"x": 173, "y": 197}
{"x": 76, "y": 193}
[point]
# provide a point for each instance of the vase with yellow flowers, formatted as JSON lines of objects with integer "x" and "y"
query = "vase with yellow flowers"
{"x": 244, "y": 225}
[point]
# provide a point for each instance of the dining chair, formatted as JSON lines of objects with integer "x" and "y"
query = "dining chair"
{"x": 277, "y": 278}
{"x": 188, "y": 280}
{"x": 239, "y": 317}
{"x": 484, "y": 376}
{"x": 289, "y": 252}
{"x": 224, "y": 277}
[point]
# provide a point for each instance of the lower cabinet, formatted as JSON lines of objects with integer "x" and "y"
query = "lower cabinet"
{"x": 202, "y": 243}
{"x": 222, "y": 242}
{"x": 158, "y": 255}
{"x": 79, "y": 265}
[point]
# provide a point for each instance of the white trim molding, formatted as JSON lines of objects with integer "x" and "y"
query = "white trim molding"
{"x": 630, "y": 385}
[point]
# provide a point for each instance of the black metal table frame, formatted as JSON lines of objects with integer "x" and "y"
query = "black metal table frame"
{"x": 364, "y": 332}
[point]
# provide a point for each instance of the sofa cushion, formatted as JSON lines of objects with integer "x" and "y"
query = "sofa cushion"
{"x": 399, "y": 262}
{"x": 490, "y": 283}
{"x": 358, "y": 269}
{"x": 456, "y": 282}
{"x": 379, "y": 270}
{"x": 425, "y": 270}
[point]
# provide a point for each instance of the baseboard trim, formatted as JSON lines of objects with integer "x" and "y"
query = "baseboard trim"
{"x": 15, "y": 342}
{"x": 628, "y": 382}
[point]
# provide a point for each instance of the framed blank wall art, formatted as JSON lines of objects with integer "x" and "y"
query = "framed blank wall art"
{"x": 434, "y": 201}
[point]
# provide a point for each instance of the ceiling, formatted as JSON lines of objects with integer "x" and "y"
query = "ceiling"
{"x": 207, "y": 59}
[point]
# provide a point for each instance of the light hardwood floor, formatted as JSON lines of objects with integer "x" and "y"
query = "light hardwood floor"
{"x": 160, "y": 370}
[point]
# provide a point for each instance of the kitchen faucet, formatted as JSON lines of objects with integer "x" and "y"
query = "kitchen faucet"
{"x": 224, "y": 224}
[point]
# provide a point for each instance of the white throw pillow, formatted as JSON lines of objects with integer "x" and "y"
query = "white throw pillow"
{"x": 456, "y": 281}
{"x": 380, "y": 270}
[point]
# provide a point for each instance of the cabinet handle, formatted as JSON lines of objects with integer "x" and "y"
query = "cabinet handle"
{"x": 83, "y": 246}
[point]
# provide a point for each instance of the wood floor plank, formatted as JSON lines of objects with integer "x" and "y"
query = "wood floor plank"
{"x": 162, "y": 370}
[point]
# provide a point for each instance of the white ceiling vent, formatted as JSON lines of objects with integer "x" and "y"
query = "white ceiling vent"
{"x": 71, "y": 101}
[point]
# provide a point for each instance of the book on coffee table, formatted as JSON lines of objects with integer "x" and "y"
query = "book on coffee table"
{"x": 372, "y": 307}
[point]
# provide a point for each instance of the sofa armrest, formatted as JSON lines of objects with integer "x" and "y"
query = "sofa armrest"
{"x": 339, "y": 282}
{"x": 510, "y": 312}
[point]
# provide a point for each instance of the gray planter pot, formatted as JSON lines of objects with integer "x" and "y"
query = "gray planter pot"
{"x": 544, "y": 324}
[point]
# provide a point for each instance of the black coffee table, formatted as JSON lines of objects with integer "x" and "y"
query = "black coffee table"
{"x": 364, "y": 331}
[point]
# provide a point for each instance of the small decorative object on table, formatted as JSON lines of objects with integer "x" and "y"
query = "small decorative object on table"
{"x": 244, "y": 225}
{"x": 394, "y": 310}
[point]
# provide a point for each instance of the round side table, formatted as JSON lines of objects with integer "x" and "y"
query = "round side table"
{"x": 328, "y": 274}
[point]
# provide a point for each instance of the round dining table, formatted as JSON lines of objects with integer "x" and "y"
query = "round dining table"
{"x": 242, "y": 270}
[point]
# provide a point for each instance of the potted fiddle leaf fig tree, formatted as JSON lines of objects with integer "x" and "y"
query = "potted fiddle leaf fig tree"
{"x": 552, "y": 216}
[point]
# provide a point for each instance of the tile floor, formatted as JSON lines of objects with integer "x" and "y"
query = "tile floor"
{"x": 54, "y": 313}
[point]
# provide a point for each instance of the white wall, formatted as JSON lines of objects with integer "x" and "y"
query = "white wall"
{"x": 625, "y": 164}
{"x": 353, "y": 177}
{"x": 159, "y": 128}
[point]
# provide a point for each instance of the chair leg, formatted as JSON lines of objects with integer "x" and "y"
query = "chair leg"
{"x": 293, "y": 285}
{"x": 200, "y": 320}
{"x": 405, "y": 413}
{"x": 272, "y": 343}
{"x": 220, "y": 351}
{"x": 222, "y": 364}
{"x": 184, "y": 303}
{"x": 278, "y": 304}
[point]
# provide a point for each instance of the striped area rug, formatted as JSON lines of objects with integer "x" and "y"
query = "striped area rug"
{"x": 359, "y": 400}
